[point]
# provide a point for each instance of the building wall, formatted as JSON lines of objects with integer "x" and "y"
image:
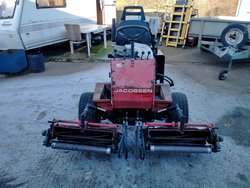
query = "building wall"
{"x": 243, "y": 9}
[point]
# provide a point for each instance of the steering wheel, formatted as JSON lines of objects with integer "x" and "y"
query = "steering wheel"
{"x": 130, "y": 36}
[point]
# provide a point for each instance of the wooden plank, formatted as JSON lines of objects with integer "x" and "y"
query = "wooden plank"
{"x": 177, "y": 13}
{"x": 174, "y": 29}
{"x": 171, "y": 44}
{"x": 99, "y": 88}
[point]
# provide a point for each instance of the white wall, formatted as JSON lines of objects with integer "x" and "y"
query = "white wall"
{"x": 243, "y": 9}
{"x": 109, "y": 11}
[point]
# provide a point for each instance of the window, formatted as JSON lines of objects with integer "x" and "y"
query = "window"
{"x": 7, "y": 8}
{"x": 50, "y": 3}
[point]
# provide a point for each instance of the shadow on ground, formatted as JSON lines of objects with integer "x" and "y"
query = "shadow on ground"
{"x": 8, "y": 182}
{"x": 236, "y": 125}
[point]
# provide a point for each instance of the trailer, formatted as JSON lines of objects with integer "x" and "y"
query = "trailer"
{"x": 209, "y": 29}
{"x": 227, "y": 37}
{"x": 31, "y": 24}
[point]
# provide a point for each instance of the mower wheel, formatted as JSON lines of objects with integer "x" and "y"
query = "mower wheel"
{"x": 84, "y": 100}
{"x": 181, "y": 100}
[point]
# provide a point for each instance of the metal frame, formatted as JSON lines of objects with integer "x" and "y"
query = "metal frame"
{"x": 227, "y": 54}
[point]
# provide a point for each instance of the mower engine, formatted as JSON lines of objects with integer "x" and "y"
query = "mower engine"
{"x": 136, "y": 97}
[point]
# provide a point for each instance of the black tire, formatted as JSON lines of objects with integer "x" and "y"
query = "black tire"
{"x": 242, "y": 30}
{"x": 223, "y": 75}
{"x": 181, "y": 100}
{"x": 84, "y": 100}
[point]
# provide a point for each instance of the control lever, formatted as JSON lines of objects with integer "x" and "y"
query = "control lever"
{"x": 142, "y": 53}
{"x": 136, "y": 53}
{"x": 115, "y": 50}
{"x": 124, "y": 53}
{"x": 148, "y": 54}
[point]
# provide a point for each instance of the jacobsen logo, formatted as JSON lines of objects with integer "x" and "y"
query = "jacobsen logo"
{"x": 144, "y": 90}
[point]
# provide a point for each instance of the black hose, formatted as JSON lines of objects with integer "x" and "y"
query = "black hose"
{"x": 167, "y": 79}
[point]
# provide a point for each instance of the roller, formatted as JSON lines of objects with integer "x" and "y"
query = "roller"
{"x": 180, "y": 149}
{"x": 78, "y": 147}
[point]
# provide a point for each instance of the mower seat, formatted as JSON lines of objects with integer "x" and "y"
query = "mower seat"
{"x": 130, "y": 30}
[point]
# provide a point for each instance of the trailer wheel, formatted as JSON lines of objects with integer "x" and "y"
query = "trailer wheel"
{"x": 181, "y": 100}
{"x": 84, "y": 100}
{"x": 223, "y": 75}
{"x": 234, "y": 35}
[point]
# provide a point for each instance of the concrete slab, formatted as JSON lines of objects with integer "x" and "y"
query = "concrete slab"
{"x": 27, "y": 102}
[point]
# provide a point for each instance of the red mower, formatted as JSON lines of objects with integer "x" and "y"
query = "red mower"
{"x": 136, "y": 98}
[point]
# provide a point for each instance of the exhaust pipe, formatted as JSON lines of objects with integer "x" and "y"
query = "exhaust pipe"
{"x": 180, "y": 149}
{"x": 78, "y": 147}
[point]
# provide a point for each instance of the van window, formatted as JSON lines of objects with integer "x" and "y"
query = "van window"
{"x": 7, "y": 8}
{"x": 50, "y": 3}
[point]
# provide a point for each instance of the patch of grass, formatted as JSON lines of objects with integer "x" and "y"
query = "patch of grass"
{"x": 61, "y": 53}
{"x": 99, "y": 52}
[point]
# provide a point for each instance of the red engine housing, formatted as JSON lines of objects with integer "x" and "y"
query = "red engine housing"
{"x": 132, "y": 83}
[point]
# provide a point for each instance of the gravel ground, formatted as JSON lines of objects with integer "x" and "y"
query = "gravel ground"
{"x": 27, "y": 102}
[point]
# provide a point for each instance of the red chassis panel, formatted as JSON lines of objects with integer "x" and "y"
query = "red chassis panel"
{"x": 133, "y": 83}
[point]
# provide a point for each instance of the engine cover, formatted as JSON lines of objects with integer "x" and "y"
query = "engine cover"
{"x": 133, "y": 83}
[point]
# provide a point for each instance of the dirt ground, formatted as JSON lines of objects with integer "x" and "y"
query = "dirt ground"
{"x": 28, "y": 101}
